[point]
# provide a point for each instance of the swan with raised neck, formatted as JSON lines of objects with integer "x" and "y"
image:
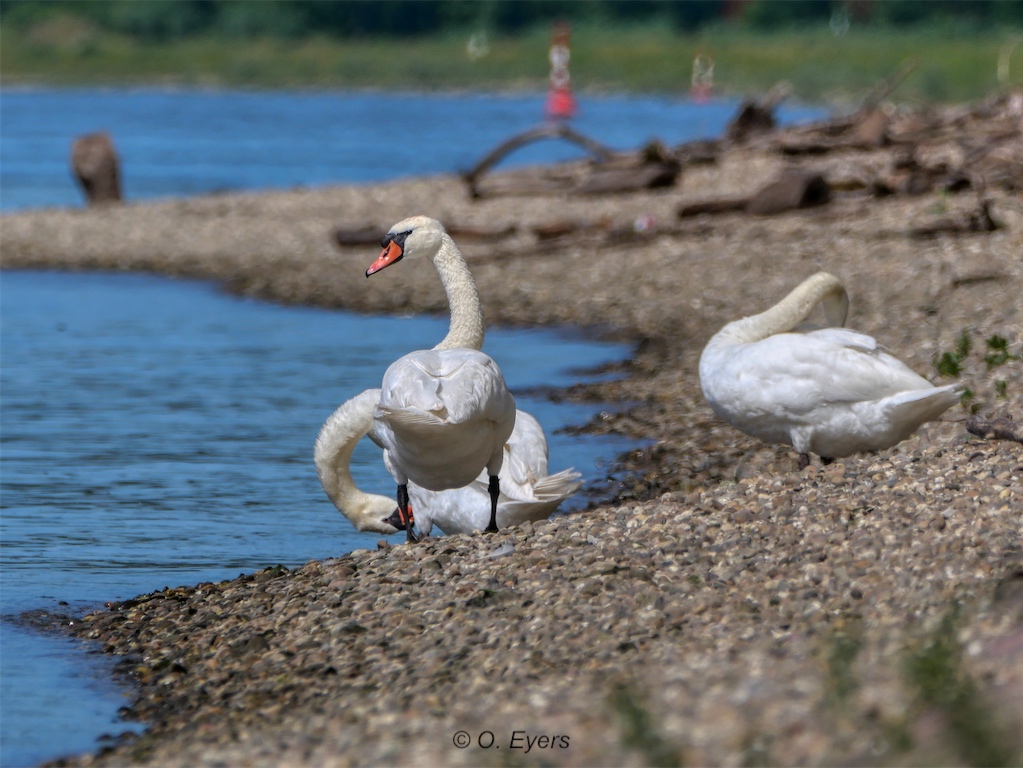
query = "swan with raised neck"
{"x": 421, "y": 236}
{"x": 830, "y": 391}
{"x": 444, "y": 414}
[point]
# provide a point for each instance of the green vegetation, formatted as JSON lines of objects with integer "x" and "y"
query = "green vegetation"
{"x": 934, "y": 671}
{"x": 642, "y": 46}
{"x": 846, "y": 642}
{"x": 638, "y": 728}
{"x": 950, "y": 364}
{"x": 999, "y": 354}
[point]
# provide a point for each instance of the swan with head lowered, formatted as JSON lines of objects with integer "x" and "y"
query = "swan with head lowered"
{"x": 527, "y": 491}
{"x": 445, "y": 413}
{"x": 830, "y": 391}
{"x": 333, "y": 456}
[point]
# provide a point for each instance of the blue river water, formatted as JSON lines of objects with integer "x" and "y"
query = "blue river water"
{"x": 156, "y": 432}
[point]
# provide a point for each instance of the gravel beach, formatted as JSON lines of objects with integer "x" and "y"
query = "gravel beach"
{"x": 725, "y": 608}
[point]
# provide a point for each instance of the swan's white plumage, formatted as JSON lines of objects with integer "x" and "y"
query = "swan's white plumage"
{"x": 333, "y": 455}
{"x": 446, "y": 413}
{"x": 831, "y": 391}
{"x": 527, "y": 491}
{"x": 443, "y": 416}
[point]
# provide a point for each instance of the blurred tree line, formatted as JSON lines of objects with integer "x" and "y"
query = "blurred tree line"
{"x": 167, "y": 20}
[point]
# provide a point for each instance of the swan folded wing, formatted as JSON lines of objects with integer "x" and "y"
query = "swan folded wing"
{"x": 525, "y": 458}
{"x": 457, "y": 385}
{"x": 844, "y": 337}
{"x": 861, "y": 374}
{"x": 799, "y": 373}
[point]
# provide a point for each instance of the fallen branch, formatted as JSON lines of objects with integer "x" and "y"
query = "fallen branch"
{"x": 358, "y": 236}
{"x": 978, "y": 220}
{"x": 651, "y": 176}
{"x": 555, "y": 131}
{"x": 995, "y": 429}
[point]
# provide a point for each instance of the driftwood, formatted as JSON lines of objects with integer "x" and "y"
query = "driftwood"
{"x": 714, "y": 206}
{"x": 562, "y": 227}
{"x": 793, "y": 190}
{"x": 699, "y": 152}
{"x": 648, "y": 176}
{"x": 977, "y": 220}
{"x": 358, "y": 236}
{"x": 370, "y": 234}
{"x": 867, "y": 128}
{"x": 995, "y": 429}
{"x": 97, "y": 168}
{"x": 790, "y": 191}
{"x": 621, "y": 173}
{"x": 552, "y": 131}
{"x": 480, "y": 234}
{"x": 757, "y": 117}
{"x": 556, "y": 236}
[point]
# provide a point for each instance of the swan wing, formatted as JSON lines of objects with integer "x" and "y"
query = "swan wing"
{"x": 862, "y": 370}
{"x": 799, "y": 373}
{"x": 454, "y": 385}
{"x": 525, "y": 457}
{"x": 443, "y": 416}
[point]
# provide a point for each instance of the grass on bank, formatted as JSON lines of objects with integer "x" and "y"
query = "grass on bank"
{"x": 952, "y": 65}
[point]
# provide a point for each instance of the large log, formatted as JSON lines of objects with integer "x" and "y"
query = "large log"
{"x": 755, "y": 116}
{"x": 792, "y": 190}
{"x": 648, "y": 176}
{"x": 976, "y": 221}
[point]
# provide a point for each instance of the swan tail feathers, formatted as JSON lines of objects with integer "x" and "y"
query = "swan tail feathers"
{"x": 559, "y": 486}
{"x": 923, "y": 405}
{"x": 516, "y": 512}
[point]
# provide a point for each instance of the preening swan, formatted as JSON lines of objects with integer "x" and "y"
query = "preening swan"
{"x": 830, "y": 391}
{"x": 444, "y": 414}
{"x": 527, "y": 491}
{"x": 333, "y": 456}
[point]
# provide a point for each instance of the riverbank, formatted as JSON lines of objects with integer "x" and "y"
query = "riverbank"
{"x": 726, "y": 608}
{"x": 954, "y": 63}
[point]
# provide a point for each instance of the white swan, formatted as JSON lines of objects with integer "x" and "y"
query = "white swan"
{"x": 527, "y": 491}
{"x": 444, "y": 414}
{"x": 333, "y": 455}
{"x": 830, "y": 391}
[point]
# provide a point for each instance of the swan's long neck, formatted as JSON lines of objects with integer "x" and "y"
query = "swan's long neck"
{"x": 467, "y": 325}
{"x": 821, "y": 288}
{"x": 333, "y": 454}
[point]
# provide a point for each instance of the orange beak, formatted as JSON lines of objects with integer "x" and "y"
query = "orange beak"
{"x": 390, "y": 255}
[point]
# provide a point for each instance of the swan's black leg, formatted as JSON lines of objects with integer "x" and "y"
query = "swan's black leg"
{"x": 804, "y": 461}
{"x": 405, "y": 513}
{"x": 495, "y": 491}
{"x": 825, "y": 460}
